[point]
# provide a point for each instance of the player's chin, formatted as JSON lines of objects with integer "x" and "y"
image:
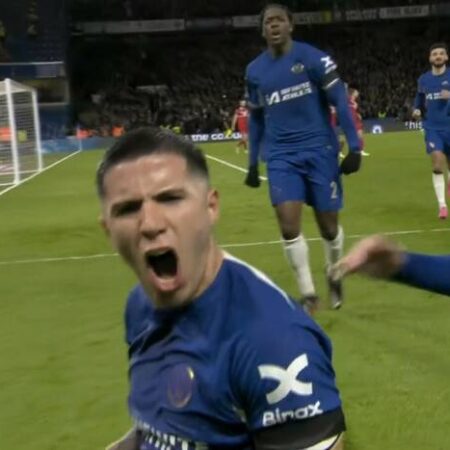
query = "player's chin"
{"x": 275, "y": 39}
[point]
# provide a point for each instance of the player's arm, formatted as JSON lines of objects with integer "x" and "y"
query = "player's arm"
{"x": 419, "y": 102}
{"x": 255, "y": 132}
{"x": 233, "y": 122}
{"x": 445, "y": 94}
{"x": 337, "y": 96}
{"x": 428, "y": 272}
{"x": 379, "y": 257}
{"x": 286, "y": 385}
{"x": 137, "y": 313}
{"x": 323, "y": 71}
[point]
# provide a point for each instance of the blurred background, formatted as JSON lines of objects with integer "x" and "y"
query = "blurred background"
{"x": 100, "y": 64}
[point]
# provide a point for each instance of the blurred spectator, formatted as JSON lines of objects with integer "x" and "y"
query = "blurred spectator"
{"x": 193, "y": 82}
{"x": 167, "y": 9}
{"x": 32, "y": 18}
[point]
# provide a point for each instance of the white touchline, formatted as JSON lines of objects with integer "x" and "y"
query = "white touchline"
{"x": 226, "y": 163}
{"x": 4, "y": 191}
{"x": 235, "y": 245}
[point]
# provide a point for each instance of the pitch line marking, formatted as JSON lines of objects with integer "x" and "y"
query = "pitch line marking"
{"x": 234, "y": 245}
{"x": 4, "y": 191}
{"x": 233, "y": 166}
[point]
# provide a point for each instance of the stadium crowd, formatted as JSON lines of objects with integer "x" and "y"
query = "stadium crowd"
{"x": 191, "y": 84}
{"x": 166, "y": 9}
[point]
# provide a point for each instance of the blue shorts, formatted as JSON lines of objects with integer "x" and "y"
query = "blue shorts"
{"x": 310, "y": 176}
{"x": 437, "y": 140}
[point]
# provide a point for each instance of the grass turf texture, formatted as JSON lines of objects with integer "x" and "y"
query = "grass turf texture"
{"x": 64, "y": 372}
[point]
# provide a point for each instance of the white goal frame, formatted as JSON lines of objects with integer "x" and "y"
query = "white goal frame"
{"x": 20, "y": 133}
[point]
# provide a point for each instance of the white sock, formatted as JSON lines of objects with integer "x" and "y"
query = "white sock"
{"x": 439, "y": 188}
{"x": 334, "y": 248}
{"x": 298, "y": 256}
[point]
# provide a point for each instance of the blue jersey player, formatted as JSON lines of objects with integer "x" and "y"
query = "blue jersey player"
{"x": 219, "y": 356}
{"x": 432, "y": 101}
{"x": 291, "y": 87}
{"x": 379, "y": 257}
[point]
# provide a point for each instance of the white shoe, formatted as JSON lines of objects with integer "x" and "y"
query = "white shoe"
{"x": 365, "y": 153}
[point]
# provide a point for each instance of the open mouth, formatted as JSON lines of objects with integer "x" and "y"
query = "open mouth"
{"x": 164, "y": 263}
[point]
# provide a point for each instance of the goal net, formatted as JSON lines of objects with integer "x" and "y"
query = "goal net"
{"x": 20, "y": 141}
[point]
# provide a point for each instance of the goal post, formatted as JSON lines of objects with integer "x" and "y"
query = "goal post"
{"x": 20, "y": 137}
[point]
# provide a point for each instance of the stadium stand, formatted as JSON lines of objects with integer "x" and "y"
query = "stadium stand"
{"x": 197, "y": 84}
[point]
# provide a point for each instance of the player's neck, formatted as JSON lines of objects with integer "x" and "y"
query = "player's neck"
{"x": 281, "y": 50}
{"x": 438, "y": 70}
{"x": 214, "y": 259}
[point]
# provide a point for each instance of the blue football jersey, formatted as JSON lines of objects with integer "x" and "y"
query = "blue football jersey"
{"x": 430, "y": 87}
{"x": 290, "y": 89}
{"x": 241, "y": 358}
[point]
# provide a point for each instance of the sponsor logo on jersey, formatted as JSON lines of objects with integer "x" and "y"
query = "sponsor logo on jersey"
{"x": 289, "y": 93}
{"x": 277, "y": 417}
{"x": 434, "y": 96}
{"x": 297, "y": 68}
{"x": 287, "y": 379}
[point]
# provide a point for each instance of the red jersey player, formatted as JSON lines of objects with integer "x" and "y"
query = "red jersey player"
{"x": 353, "y": 95}
{"x": 240, "y": 122}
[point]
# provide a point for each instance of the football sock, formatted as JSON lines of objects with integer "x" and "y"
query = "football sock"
{"x": 333, "y": 249}
{"x": 297, "y": 254}
{"x": 439, "y": 188}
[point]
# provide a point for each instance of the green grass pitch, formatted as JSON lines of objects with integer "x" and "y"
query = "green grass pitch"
{"x": 63, "y": 372}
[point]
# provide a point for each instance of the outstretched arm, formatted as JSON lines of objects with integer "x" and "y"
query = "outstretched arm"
{"x": 428, "y": 272}
{"x": 379, "y": 257}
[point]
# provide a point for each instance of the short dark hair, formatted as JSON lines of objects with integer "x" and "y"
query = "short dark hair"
{"x": 288, "y": 12}
{"x": 148, "y": 141}
{"x": 439, "y": 45}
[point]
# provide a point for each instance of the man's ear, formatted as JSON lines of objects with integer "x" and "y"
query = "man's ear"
{"x": 213, "y": 205}
{"x": 103, "y": 224}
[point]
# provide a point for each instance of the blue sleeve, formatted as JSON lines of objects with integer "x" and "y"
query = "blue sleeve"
{"x": 337, "y": 96}
{"x": 322, "y": 69}
{"x": 419, "y": 101}
{"x": 256, "y": 122}
{"x": 285, "y": 376}
{"x": 255, "y": 134}
{"x": 428, "y": 272}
